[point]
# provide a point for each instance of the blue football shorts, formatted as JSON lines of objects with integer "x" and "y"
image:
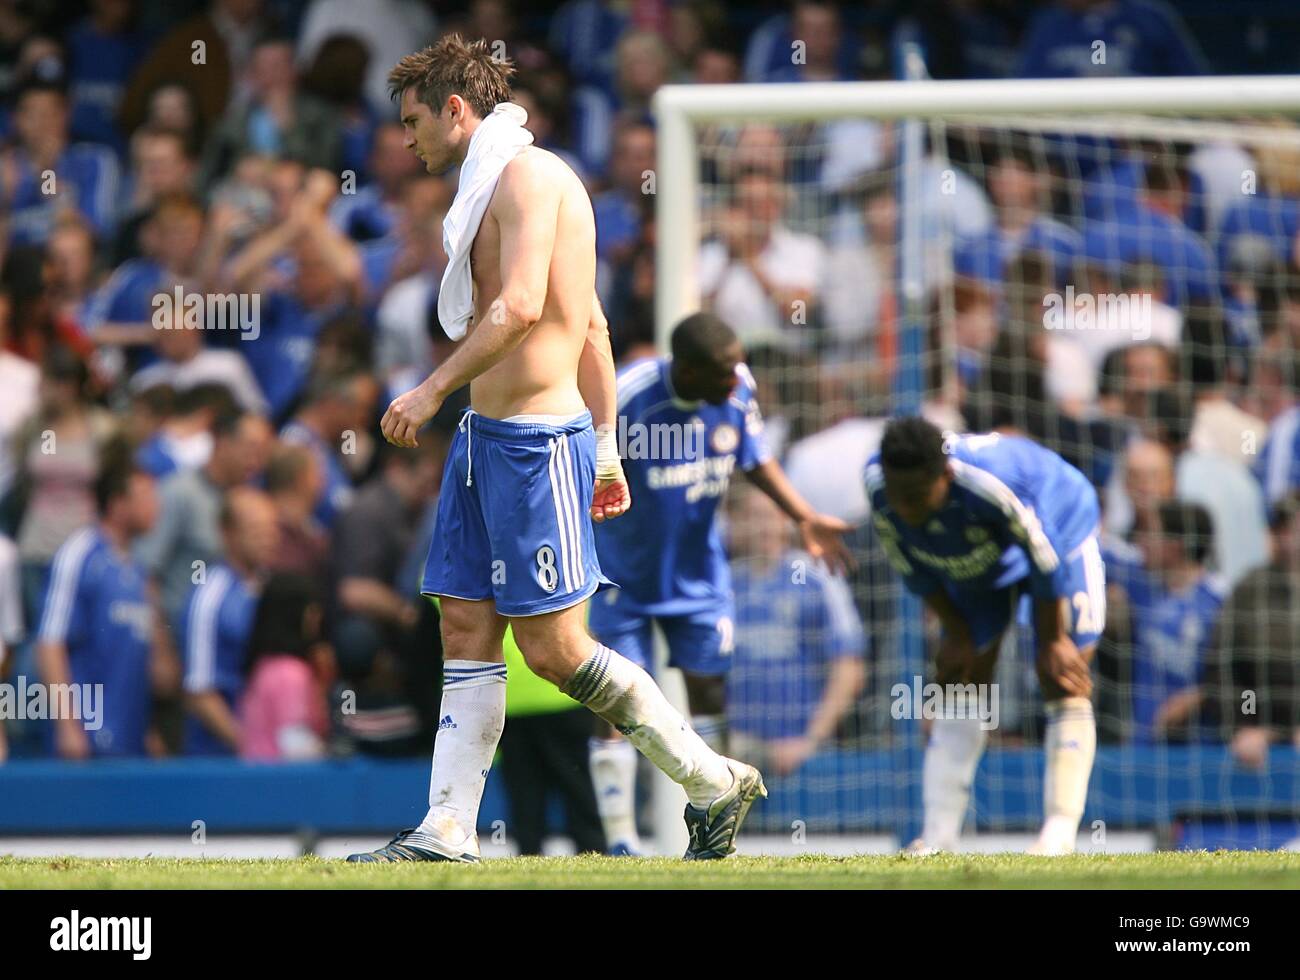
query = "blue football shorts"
{"x": 700, "y": 642}
{"x": 989, "y": 615}
{"x": 513, "y": 520}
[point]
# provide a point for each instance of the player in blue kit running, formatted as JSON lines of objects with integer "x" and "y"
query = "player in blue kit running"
{"x": 527, "y": 473}
{"x": 973, "y": 523}
{"x": 686, "y": 422}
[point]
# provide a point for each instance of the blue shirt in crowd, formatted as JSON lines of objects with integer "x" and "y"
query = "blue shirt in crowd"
{"x": 97, "y": 605}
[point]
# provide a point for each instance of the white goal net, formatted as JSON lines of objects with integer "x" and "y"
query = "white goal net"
{"x": 1107, "y": 267}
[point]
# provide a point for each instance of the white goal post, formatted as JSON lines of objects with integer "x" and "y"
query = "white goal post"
{"x": 679, "y": 109}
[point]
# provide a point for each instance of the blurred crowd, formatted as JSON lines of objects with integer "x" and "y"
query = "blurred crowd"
{"x": 195, "y": 505}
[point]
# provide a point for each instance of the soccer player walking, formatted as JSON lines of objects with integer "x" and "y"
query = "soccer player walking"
{"x": 972, "y": 523}
{"x": 688, "y": 421}
{"x": 527, "y": 471}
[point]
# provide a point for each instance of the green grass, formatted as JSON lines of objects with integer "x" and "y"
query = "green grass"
{"x": 1221, "y": 869}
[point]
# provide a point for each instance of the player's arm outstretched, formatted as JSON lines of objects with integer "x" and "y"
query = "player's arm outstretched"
{"x": 596, "y": 382}
{"x": 821, "y": 534}
{"x": 526, "y": 206}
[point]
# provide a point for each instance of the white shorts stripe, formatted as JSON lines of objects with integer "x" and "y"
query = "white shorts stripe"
{"x": 558, "y": 499}
{"x": 575, "y": 527}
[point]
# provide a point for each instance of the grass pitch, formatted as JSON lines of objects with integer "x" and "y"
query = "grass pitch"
{"x": 1221, "y": 869}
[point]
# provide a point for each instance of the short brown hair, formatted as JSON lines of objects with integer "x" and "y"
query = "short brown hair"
{"x": 452, "y": 66}
{"x": 287, "y": 465}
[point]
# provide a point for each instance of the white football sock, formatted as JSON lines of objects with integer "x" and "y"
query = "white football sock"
{"x": 613, "y": 775}
{"x": 626, "y": 697}
{"x": 951, "y": 757}
{"x": 713, "y": 729}
{"x": 1070, "y": 744}
{"x": 471, "y": 719}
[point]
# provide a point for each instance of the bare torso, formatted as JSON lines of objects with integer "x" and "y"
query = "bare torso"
{"x": 540, "y": 376}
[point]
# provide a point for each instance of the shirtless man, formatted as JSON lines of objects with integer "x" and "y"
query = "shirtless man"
{"x": 513, "y": 544}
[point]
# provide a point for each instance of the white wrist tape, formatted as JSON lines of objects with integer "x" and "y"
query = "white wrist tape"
{"x": 608, "y": 464}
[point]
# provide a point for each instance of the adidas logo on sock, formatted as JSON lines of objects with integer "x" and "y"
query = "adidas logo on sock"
{"x": 446, "y": 723}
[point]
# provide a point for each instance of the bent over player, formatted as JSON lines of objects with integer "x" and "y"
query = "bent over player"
{"x": 972, "y": 523}
{"x": 513, "y": 540}
{"x": 687, "y": 421}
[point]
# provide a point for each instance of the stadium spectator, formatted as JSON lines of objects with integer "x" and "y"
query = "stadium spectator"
{"x": 714, "y": 64}
{"x": 1143, "y": 481}
{"x": 20, "y": 381}
{"x": 123, "y": 310}
{"x": 757, "y": 273}
{"x": 547, "y": 121}
{"x": 70, "y": 273}
{"x": 1096, "y": 38}
{"x": 371, "y": 540}
{"x": 1018, "y": 190}
{"x": 632, "y": 293}
{"x": 1115, "y": 187}
{"x": 337, "y": 77}
{"x": 335, "y": 405}
{"x": 145, "y": 415}
{"x": 104, "y": 48}
{"x": 185, "y": 361}
{"x": 276, "y": 118}
{"x": 1223, "y": 486}
{"x": 373, "y": 210}
{"x": 1174, "y": 604}
{"x": 58, "y": 453}
{"x": 1278, "y": 391}
{"x": 283, "y": 711}
{"x": 1144, "y": 368}
{"x": 1266, "y": 206}
{"x": 409, "y": 341}
{"x": 44, "y": 173}
{"x": 584, "y": 36}
{"x": 968, "y": 40}
{"x": 225, "y": 35}
{"x": 173, "y": 107}
{"x": 412, "y": 249}
{"x": 1252, "y": 683}
{"x": 294, "y": 481}
{"x": 218, "y": 618}
{"x": 98, "y": 624}
{"x": 1013, "y": 392}
{"x": 1219, "y": 424}
{"x": 162, "y": 166}
{"x": 799, "y": 663}
{"x": 187, "y": 537}
{"x": 389, "y": 29}
{"x": 182, "y": 439}
{"x": 306, "y": 273}
{"x": 811, "y": 33}
{"x": 618, "y": 210}
{"x": 1153, "y": 231}
{"x": 643, "y": 64}
{"x": 858, "y": 296}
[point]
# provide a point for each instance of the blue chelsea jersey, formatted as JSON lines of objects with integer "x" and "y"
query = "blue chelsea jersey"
{"x": 1015, "y": 511}
{"x": 665, "y": 553}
